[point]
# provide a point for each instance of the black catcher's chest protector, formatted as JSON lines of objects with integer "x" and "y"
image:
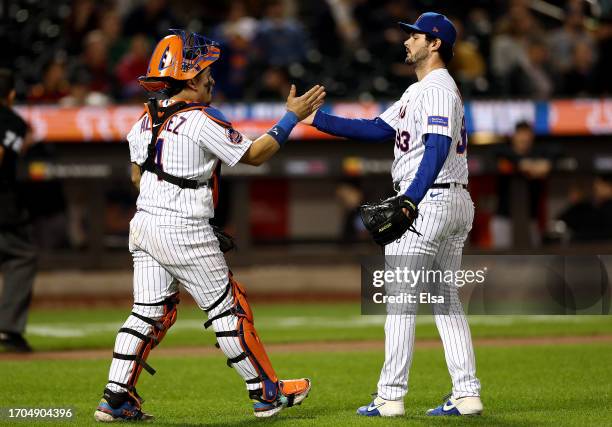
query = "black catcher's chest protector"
{"x": 159, "y": 117}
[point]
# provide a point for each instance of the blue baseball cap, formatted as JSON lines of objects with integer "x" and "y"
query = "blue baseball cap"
{"x": 435, "y": 25}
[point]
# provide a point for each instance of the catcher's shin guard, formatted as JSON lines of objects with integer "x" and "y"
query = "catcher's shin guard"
{"x": 259, "y": 374}
{"x": 146, "y": 327}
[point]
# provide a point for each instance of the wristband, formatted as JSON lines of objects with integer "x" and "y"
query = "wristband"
{"x": 281, "y": 130}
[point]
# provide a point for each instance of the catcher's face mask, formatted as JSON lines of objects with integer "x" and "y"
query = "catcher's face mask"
{"x": 179, "y": 56}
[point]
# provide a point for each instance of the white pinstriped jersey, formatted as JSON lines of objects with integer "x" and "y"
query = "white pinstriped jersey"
{"x": 189, "y": 147}
{"x": 172, "y": 241}
{"x": 432, "y": 105}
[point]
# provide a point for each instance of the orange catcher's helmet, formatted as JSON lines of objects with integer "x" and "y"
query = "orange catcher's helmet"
{"x": 179, "y": 56}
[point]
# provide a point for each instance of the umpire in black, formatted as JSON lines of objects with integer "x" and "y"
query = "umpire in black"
{"x": 17, "y": 251}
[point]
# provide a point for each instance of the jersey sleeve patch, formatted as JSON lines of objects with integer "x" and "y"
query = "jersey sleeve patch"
{"x": 437, "y": 121}
{"x": 233, "y": 135}
{"x": 217, "y": 116}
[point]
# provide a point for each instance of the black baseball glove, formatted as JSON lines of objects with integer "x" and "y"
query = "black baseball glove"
{"x": 386, "y": 220}
{"x": 226, "y": 242}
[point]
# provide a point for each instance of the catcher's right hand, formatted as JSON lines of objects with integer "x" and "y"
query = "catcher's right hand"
{"x": 390, "y": 219}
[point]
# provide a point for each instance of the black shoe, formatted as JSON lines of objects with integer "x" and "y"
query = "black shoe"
{"x": 14, "y": 343}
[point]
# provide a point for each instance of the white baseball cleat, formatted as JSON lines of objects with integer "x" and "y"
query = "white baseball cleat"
{"x": 380, "y": 407}
{"x": 471, "y": 405}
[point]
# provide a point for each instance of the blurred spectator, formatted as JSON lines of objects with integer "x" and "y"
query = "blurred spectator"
{"x": 604, "y": 65}
{"x": 94, "y": 62}
{"x": 525, "y": 166}
{"x": 580, "y": 78}
{"x": 273, "y": 85}
{"x": 354, "y": 47}
{"x": 133, "y": 65}
{"x": 82, "y": 19}
{"x": 509, "y": 46}
{"x": 279, "y": 41}
{"x": 91, "y": 75}
{"x": 574, "y": 223}
{"x": 80, "y": 95}
{"x": 385, "y": 48}
{"x": 120, "y": 208}
{"x": 236, "y": 35}
{"x": 478, "y": 29}
{"x": 562, "y": 41}
{"x": 54, "y": 84}
{"x": 237, "y": 24}
{"x": 153, "y": 17}
{"x": 468, "y": 66}
{"x": 531, "y": 77}
{"x": 590, "y": 220}
{"x": 602, "y": 198}
{"x": 46, "y": 201}
{"x": 331, "y": 26}
{"x": 350, "y": 195}
{"x": 110, "y": 26}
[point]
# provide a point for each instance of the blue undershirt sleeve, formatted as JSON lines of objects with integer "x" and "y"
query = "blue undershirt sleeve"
{"x": 365, "y": 129}
{"x": 436, "y": 151}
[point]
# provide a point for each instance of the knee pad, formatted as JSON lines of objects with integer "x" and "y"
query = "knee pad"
{"x": 158, "y": 329}
{"x": 252, "y": 347}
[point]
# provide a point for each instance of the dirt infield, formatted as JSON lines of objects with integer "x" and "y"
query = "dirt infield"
{"x": 329, "y": 346}
{"x": 62, "y": 302}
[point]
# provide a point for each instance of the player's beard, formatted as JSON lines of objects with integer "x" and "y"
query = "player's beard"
{"x": 413, "y": 58}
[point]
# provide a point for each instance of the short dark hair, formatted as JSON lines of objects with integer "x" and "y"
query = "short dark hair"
{"x": 606, "y": 177}
{"x": 174, "y": 87}
{"x": 7, "y": 82}
{"x": 523, "y": 125}
{"x": 445, "y": 51}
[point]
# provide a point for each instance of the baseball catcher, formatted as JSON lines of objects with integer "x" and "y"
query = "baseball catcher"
{"x": 176, "y": 149}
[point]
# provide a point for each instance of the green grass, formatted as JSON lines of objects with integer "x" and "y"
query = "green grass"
{"x": 524, "y": 386}
{"x": 536, "y": 385}
{"x": 96, "y": 328}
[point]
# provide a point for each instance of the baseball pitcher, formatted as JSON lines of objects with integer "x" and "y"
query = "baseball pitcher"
{"x": 430, "y": 176}
{"x": 176, "y": 148}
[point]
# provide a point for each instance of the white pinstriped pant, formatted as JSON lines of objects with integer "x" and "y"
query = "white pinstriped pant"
{"x": 444, "y": 222}
{"x": 165, "y": 248}
{"x": 168, "y": 251}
